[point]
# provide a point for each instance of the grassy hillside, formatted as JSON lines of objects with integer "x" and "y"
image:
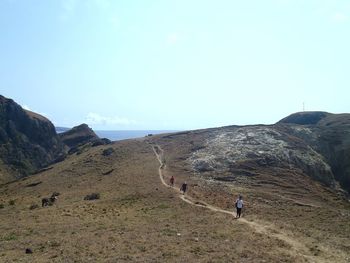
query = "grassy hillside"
{"x": 288, "y": 217}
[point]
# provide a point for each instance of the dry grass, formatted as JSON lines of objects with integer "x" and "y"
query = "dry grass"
{"x": 285, "y": 202}
{"x": 137, "y": 219}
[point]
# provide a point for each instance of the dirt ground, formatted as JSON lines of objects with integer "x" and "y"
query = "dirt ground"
{"x": 138, "y": 219}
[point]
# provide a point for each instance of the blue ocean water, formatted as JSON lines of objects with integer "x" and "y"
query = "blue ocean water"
{"x": 122, "y": 135}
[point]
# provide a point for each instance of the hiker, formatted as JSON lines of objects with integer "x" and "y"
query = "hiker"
{"x": 183, "y": 188}
{"x": 172, "y": 180}
{"x": 239, "y": 206}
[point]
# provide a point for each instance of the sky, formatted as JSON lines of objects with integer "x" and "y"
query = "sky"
{"x": 177, "y": 65}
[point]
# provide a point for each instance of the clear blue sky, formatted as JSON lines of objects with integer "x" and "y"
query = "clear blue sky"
{"x": 181, "y": 64}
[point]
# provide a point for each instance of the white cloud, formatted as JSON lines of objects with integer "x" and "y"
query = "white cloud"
{"x": 340, "y": 17}
{"x": 97, "y": 119}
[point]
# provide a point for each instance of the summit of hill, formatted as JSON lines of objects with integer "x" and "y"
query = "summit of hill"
{"x": 305, "y": 117}
{"x": 326, "y": 133}
{"x": 78, "y": 135}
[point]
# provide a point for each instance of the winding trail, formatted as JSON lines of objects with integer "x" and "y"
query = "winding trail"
{"x": 297, "y": 248}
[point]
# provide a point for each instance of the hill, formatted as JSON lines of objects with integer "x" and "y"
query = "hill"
{"x": 295, "y": 210}
{"x": 78, "y": 135}
{"x": 80, "y": 138}
{"x": 329, "y": 135}
{"x": 137, "y": 219}
{"x": 305, "y": 118}
{"x": 28, "y": 141}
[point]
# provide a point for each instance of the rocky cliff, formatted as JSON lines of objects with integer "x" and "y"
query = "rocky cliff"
{"x": 316, "y": 144}
{"x": 28, "y": 141}
{"x": 249, "y": 149}
{"x": 80, "y": 137}
{"x": 328, "y": 134}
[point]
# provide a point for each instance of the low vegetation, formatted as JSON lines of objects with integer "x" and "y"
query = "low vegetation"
{"x": 93, "y": 196}
{"x": 288, "y": 215}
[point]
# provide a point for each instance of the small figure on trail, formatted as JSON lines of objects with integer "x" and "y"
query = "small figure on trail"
{"x": 239, "y": 206}
{"x": 172, "y": 180}
{"x": 183, "y": 188}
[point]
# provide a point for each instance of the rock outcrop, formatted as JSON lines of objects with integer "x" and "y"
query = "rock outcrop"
{"x": 80, "y": 136}
{"x": 329, "y": 135}
{"x": 28, "y": 141}
{"x": 250, "y": 148}
{"x": 316, "y": 143}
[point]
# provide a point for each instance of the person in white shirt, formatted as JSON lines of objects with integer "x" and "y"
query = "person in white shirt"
{"x": 239, "y": 206}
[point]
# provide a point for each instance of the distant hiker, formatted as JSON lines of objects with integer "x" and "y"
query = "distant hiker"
{"x": 183, "y": 187}
{"x": 239, "y": 206}
{"x": 172, "y": 180}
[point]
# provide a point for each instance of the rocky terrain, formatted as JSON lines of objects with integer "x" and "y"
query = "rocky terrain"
{"x": 28, "y": 141}
{"x": 316, "y": 144}
{"x": 78, "y": 135}
{"x": 328, "y": 134}
{"x": 248, "y": 149}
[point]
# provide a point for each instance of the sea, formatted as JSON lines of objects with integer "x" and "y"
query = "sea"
{"x": 122, "y": 135}
{"x": 118, "y": 135}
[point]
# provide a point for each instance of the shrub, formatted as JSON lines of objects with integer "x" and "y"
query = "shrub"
{"x": 92, "y": 196}
{"x": 10, "y": 236}
{"x": 55, "y": 194}
{"x": 108, "y": 151}
{"x": 2, "y": 206}
{"x": 33, "y": 206}
{"x": 98, "y": 142}
{"x": 12, "y": 202}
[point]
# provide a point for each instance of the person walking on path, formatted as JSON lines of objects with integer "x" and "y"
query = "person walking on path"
{"x": 172, "y": 180}
{"x": 239, "y": 206}
{"x": 183, "y": 188}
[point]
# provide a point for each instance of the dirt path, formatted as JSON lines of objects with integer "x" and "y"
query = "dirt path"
{"x": 297, "y": 247}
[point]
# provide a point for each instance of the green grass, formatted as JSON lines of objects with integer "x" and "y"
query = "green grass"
{"x": 163, "y": 206}
{"x": 10, "y": 237}
{"x": 169, "y": 232}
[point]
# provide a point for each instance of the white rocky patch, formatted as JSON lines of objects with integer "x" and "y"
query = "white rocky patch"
{"x": 254, "y": 143}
